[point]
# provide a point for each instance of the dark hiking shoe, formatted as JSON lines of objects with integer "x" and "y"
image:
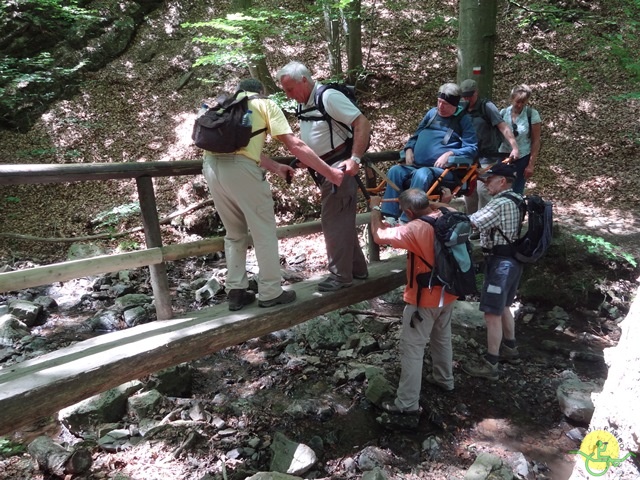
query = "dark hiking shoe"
{"x": 287, "y": 296}
{"x": 361, "y": 276}
{"x": 390, "y": 407}
{"x": 508, "y": 354}
{"x": 332, "y": 285}
{"x": 442, "y": 386}
{"x": 239, "y": 298}
{"x": 482, "y": 369}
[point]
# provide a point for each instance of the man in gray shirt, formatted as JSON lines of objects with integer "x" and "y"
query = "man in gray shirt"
{"x": 490, "y": 130}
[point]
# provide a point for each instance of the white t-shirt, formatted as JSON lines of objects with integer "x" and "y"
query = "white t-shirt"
{"x": 316, "y": 134}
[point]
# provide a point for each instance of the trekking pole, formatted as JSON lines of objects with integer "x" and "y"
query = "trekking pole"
{"x": 334, "y": 187}
{"x": 383, "y": 176}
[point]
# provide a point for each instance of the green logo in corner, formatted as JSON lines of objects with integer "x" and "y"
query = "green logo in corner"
{"x": 600, "y": 450}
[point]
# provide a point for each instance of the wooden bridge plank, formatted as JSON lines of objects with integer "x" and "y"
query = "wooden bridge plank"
{"x": 44, "y": 385}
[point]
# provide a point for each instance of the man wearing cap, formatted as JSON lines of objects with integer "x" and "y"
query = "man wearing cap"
{"x": 490, "y": 129}
{"x": 442, "y": 137}
{"x": 499, "y": 223}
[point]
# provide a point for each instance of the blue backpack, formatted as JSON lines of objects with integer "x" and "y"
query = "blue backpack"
{"x": 454, "y": 268}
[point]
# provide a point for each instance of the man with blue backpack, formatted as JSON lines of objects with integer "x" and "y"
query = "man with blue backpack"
{"x": 427, "y": 313}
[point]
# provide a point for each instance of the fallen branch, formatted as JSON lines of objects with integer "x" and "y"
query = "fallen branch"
{"x": 108, "y": 236}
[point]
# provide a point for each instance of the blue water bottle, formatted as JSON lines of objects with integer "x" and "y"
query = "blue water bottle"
{"x": 246, "y": 119}
{"x": 203, "y": 109}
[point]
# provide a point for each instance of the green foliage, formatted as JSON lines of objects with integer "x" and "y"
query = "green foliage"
{"x": 10, "y": 199}
{"x": 570, "y": 67}
{"x": 286, "y": 104}
{"x": 114, "y": 216}
{"x": 626, "y": 34}
{"x": 128, "y": 245}
{"x": 18, "y": 74}
{"x": 25, "y": 78}
{"x": 45, "y": 152}
{"x": 50, "y": 11}
{"x": 599, "y": 246}
{"x": 237, "y": 38}
{"x": 9, "y": 448}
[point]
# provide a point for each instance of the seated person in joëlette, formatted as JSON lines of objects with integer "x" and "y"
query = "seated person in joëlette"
{"x": 444, "y": 137}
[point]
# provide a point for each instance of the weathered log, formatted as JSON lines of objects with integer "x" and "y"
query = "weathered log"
{"x": 54, "y": 458}
{"x": 44, "y": 385}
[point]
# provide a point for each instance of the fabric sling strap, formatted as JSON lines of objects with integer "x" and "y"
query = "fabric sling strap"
{"x": 455, "y": 121}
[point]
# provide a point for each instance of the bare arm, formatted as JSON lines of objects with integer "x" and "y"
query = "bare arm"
{"x": 361, "y": 132}
{"x": 507, "y": 133}
{"x": 271, "y": 165}
{"x": 535, "y": 149}
{"x": 376, "y": 219}
{"x": 307, "y": 156}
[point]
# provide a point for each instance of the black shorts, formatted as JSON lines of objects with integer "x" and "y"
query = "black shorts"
{"x": 501, "y": 280}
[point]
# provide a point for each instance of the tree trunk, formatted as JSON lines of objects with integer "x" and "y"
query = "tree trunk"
{"x": 332, "y": 35}
{"x": 257, "y": 68}
{"x": 354, "y": 40}
{"x": 476, "y": 43}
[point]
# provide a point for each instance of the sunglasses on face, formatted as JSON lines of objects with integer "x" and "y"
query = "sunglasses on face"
{"x": 515, "y": 129}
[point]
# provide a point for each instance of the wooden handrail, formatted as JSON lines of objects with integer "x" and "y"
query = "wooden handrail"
{"x": 63, "y": 271}
{"x": 24, "y": 174}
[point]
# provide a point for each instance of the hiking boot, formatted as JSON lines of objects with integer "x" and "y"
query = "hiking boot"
{"x": 390, "y": 407}
{"x": 239, "y": 298}
{"x": 442, "y": 386}
{"x": 508, "y": 354}
{"x": 361, "y": 276}
{"x": 482, "y": 369}
{"x": 287, "y": 296}
{"x": 330, "y": 284}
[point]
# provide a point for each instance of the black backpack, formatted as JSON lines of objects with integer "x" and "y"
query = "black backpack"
{"x": 528, "y": 248}
{"x": 348, "y": 91}
{"x": 220, "y": 128}
{"x": 454, "y": 268}
{"x": 497, "y": 138}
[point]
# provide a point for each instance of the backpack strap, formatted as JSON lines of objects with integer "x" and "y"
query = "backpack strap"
{"x": 254, "y": 97}
{"x": 454, "y": 126}
{"x": 529, "y": 119}
{"x": 521, "y": 204}
{"x": 319, "y": 106}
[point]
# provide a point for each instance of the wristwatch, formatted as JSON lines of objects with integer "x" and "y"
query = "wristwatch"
{"x": 377, "y": 207}
{"x": 356, "y": 159}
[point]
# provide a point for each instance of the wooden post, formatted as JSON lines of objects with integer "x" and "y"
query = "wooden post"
{"x": 370, "y": 182}
{"x": 159, "y": 281}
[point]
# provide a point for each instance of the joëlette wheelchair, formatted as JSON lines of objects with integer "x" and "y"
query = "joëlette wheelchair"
{"x": 462, "y": 182}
